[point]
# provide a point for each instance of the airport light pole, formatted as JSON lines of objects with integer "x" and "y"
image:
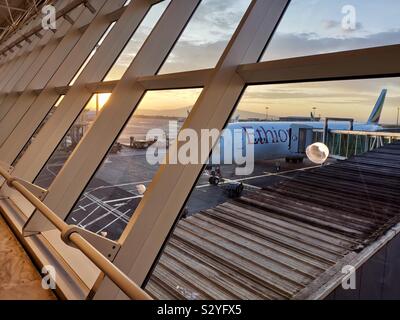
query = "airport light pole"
{"x": 313, "y": 112}
{"x": 266, "y": 113}
{"x": 398, "y": 113}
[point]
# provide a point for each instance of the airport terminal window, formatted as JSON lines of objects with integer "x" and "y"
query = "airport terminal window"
{"x": 237, "y": 237}
{"x": 91, "y": 55}
{"x": 116, "y": 189}
{"x": 206, "y": 35}
{"x": 311, "y": 27}
{"x": 41, "y": 125}
{"x": 71, "y": 139}
{"x": 135, "y": 43}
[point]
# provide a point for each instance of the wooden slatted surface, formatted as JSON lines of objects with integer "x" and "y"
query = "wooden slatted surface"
{"x": 273, "y": 243}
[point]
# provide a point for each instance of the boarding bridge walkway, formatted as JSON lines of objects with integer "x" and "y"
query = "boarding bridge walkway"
{"x": 344, "y": 144}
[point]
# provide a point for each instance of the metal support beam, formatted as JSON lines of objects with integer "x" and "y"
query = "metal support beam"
{"x": 35, "y": 190}
{"x": 331, "y": 66}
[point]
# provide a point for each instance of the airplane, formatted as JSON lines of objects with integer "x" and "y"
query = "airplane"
{"x": 279, "y": 139}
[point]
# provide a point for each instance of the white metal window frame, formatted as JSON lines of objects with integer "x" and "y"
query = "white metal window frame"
{"x": 89, "y": 274}
{"x": 223, "y": 85}
{"x": 39, "y": 80}
{"x": 50, "y": 69}
{"x": 78, "y": 95}
{"x": 64, "y": 71}
{"x": 34, "y": 50}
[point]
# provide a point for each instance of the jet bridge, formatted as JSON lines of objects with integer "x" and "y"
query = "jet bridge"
{"x": 344, "y": 144}
{"x": 326, "y": 126}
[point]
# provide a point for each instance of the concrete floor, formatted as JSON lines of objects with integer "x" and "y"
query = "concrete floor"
{"x": 19, "y": 279}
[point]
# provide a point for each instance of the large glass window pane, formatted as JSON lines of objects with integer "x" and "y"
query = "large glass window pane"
{"x": 311, "y": 27}
{"x": 272, "y": 232}
{"x": 41, "y": 125}
{"x": 71, "y": 139}
{"x": 116, "y": 189}
{"x": 206, "y": 35}
{"x": 135, "y": 43}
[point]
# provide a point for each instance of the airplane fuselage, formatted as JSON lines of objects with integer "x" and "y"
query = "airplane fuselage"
{"x": 281, "y": 139}
{"x": 273, "y": 140}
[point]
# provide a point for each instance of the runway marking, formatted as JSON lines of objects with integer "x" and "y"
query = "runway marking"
{"x": 123, "y": 199}
{"x": 80, "y": 207}
{"x": 267, "y": 174}
{"x": 121, "y": 216}
{"x": 132, "y": 183}
{"x": 118, "y": 185}
{"x": 112, "y": 222}
{"x": 294, "y": 170}
{"x": 226, "y": 181}
{"x": 109, "y": 209}
{"x": 84, "y": 197}
{"x": 80, "y": 222}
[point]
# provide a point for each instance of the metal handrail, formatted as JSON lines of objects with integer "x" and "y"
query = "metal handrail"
{"x": 70, "y": 236}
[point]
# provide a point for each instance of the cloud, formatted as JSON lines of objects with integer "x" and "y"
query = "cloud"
{"x": 215, "y": 20}
{"x": 294, "y": 45}
{"x": 358, "y": 27}
{"x": 335, "y": 24}
{"x": 349, "y": 98}
{"x": 191, "y": 56}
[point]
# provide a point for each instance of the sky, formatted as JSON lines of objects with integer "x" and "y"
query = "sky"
{"x": 308, "y": 27}
{"x": 350, "y": 99}
{"x": 206, "y": 36}
{"x": 99, "y": 99}
{"x": 135, "y": 43}
{"x": 315, "y": 26}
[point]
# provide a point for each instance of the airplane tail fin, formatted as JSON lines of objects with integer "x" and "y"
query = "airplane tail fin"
{"x": 376, "y": 112}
